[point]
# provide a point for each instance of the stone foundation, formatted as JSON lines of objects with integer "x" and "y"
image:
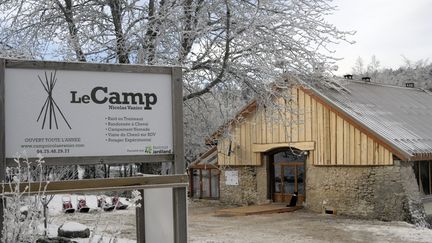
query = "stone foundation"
{"x": 380, "y": 192}
{"x": 251, "y": 189}
{"x": 375, "y": 192}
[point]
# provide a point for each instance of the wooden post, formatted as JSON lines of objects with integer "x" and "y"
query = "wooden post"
{"x": 2, "y": 137}
{"x": 140, "y": 220}
{"x": 191, "y": 185}
{"x": 266, "y": 161}
{"x": 179, "y": 194}
{"x": 180, "y": 214}
{"x": 210, "y": 182}
{"x": 201, "y": 184}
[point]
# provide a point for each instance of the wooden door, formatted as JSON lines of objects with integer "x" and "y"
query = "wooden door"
{"x": 287, "y": 176}
{"x": 288, "y": 179}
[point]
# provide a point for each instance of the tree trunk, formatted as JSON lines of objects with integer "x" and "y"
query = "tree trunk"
{"x": 116, "y": 13}
{"x": 150, "y": 35}
{"x": 189, "y": 27}
{"x": 73, "y": 30}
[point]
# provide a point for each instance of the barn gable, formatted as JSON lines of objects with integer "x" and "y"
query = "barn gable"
{"x": 308, "y": 123}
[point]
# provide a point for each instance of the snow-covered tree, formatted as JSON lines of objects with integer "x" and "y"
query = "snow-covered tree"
{"x": 358, "y": 68}
{"x": 373, "y": 67}
{"x": 215, "y": 41}
{"x": 222, "y": 44}
{"x": 418, "y": 72}
{"x": 10, "y": 52}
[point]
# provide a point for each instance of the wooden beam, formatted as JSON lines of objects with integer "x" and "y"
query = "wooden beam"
{"x": 81, "y": 66}
{"x": 258, "y": 148}
{"x": 89, "y": 185}
{"x": 91, "y": 160}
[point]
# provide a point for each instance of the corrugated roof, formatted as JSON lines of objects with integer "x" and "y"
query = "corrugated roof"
{"x": 401, "y": 117}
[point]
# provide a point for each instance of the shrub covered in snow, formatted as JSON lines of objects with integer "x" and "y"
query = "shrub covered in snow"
{"x": 22, "y": 207}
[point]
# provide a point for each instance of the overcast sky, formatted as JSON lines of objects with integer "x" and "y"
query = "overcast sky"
{"x": 387, "y": 29}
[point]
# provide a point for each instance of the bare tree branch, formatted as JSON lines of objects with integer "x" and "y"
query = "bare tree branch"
{"x": 219, "y": 77}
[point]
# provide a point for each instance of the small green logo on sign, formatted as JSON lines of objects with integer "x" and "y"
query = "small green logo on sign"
{"x": 149, "y": 149}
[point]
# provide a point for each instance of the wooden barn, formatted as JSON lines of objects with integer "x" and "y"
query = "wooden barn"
{"x": 353, "y": 147}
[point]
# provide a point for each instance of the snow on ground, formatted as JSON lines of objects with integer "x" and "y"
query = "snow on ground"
{"x": 298, "y": 226}
{"x": 73, "y": 226}
{"x": 118, "y": 223}
{"x": 94, "y": 238}
{"x": 204, "y": 227}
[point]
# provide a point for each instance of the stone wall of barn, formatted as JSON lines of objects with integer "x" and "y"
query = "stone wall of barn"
{"x": 379, "y": 192}
{"x": 251, "y": 188}
{"x": 373, "y": 192}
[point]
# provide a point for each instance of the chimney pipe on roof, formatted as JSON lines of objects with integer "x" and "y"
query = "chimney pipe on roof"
{"x": 409, "y": 85}
{"x": 348, "y": 76}
{"x": 366, "y": 79}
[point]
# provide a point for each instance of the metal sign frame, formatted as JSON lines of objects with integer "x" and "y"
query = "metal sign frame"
{"x": 177, "y": 157}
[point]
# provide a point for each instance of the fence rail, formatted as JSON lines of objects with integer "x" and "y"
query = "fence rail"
{"x": 88, "y": 185}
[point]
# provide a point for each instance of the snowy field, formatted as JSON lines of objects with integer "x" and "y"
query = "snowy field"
{"x": 299, "y": 226}
{"x": 109, "y": 225}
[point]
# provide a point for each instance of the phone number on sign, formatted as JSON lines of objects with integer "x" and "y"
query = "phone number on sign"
{"x": 52, "y": 151}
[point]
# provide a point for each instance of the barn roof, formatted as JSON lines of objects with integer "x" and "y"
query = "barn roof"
{"x": 207, "y": 160}
{"x": 401, "y": 117}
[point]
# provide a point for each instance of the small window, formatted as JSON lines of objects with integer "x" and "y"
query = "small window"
{"x": 205, "y": 183}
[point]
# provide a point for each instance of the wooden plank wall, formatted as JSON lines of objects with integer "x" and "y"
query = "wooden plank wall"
{"x": 337, "y": 141}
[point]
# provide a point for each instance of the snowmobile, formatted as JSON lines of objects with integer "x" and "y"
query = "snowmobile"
{"x": 67, "y": 205}
{"x": 82, "y": 205}
{"x": 118, "y": 205}
{"x": 102, "y": 203}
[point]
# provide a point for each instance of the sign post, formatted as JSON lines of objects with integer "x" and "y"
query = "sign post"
{"x": 179, "y": 194}
{"x": 2, "y": 138}
{"x": 81, "y": 113}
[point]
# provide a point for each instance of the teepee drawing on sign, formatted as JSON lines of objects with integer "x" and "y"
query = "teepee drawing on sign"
{"x": 50, "y": 107}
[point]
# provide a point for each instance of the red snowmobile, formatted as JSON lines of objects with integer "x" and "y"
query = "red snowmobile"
{"x": 118, "y": 205}
{"x": 67, "y": 205}
{"x": 102, "y": 203}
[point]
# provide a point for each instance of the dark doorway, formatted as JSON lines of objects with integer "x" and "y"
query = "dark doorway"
{"x": 286, "y": 175}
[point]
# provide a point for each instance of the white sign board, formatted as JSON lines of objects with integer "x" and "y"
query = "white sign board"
{"x": 61, "y": 113}
{"x": 231, "y": 178}
{"x": 159, "y": 215}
